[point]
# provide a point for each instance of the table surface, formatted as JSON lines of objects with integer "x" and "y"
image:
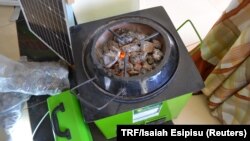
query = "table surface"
{"x": 195, "y": 112}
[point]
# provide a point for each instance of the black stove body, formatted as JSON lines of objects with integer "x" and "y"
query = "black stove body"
{"x": 178, "y": 75}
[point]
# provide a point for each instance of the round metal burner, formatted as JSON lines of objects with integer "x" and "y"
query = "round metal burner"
{"x": 139, "y": 87}
{"x": 133, "y": 47}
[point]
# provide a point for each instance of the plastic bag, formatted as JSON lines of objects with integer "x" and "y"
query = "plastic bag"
{"x": 11, "y": 105}
{"x": 33, "y": 78}
{"x": 20, "y": 80}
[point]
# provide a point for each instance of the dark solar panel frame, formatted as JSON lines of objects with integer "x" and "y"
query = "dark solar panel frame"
{"x": 47, "y": 21}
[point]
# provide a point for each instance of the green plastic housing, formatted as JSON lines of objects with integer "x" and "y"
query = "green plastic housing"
{"x": 71, "y": 118}
{"x": 170, "y": 109}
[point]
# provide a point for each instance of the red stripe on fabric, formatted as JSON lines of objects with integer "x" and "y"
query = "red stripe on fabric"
{"x": 242, "y": 97}
{"x": 203, "y": 66}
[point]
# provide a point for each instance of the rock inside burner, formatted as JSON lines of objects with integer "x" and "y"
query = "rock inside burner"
{"x": 130, "y": 53}
{"x": 137, "y": 66}
{"x": 150, "y": 59}
{"x": 147, "y": 47}
{"x": 133, "y": 72}
{"x": 147, "y": 66}
{"x": 131, "y": 47}
{"x": 157, "y": 55}
{"x": 157, "y": 44}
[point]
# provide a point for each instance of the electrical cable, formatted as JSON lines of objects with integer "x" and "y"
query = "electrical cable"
{"x": 74, "y": 88}
{"x": 83, "y": 83}
{"x": 36, "y": 104}
{"x": 39, "y": 123}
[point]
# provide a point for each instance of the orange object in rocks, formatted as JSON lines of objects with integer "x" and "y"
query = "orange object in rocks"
{"x": 122, "y": 55}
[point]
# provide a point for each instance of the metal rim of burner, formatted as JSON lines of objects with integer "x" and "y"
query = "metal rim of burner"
{"x": 150, "y": 84}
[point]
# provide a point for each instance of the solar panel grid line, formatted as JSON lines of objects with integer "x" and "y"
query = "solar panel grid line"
{"x": 46, "y": 20}
{"x": 43, "y": 24}
{"x": 54, "y": 39}
{"x": 60, "y": 6}
{"x": 62, "y": 44}
{"x": 34, "y": 20}
{"x": 44, "y": 34}
{"x": 52, "y": 9}
{"x": 57, "y": 9}
{"x": 40, "y": 29}
{"x": 48, "y": 24}
{"x": 63, "y": 36}
{"x": 66, "y": 30}
{"x": 63, "y": 39}
{"x": 59, "y": 55}
{"x": 67, "y": 21}
{"x": 33, "y": 24}
{"x": 57, "y": 44}
{"x": 37, "y": 29}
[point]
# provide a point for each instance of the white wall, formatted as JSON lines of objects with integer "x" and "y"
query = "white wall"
{"x": 203, "y": 13}
{"x": 89, "y": 10}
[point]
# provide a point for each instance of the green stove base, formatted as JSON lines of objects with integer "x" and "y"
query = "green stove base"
{"x": 66, "y": 118}
{"x": 68, "y": 123}
{"x": 164, "y": 111}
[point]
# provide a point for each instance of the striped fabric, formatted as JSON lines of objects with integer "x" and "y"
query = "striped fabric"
{"x": 223, "y": 60}
{"x": 235, "y": 110}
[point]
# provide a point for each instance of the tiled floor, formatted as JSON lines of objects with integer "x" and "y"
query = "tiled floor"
{"x": 203, "y": 14}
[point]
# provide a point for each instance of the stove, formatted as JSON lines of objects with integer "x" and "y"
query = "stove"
{"x": 148, "y": 98}
{"x": 143, "y": 76}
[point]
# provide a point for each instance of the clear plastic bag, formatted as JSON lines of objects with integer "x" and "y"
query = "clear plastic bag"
{"x": 33, "y": 78}
{"x": 20, "y": 80}
{"x": 11, "y": 105}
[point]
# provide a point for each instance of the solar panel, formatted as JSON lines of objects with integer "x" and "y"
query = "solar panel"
{"x": 49, "y": 21}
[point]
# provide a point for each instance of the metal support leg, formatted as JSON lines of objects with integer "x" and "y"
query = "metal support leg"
{"x": 197, "y": 33}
